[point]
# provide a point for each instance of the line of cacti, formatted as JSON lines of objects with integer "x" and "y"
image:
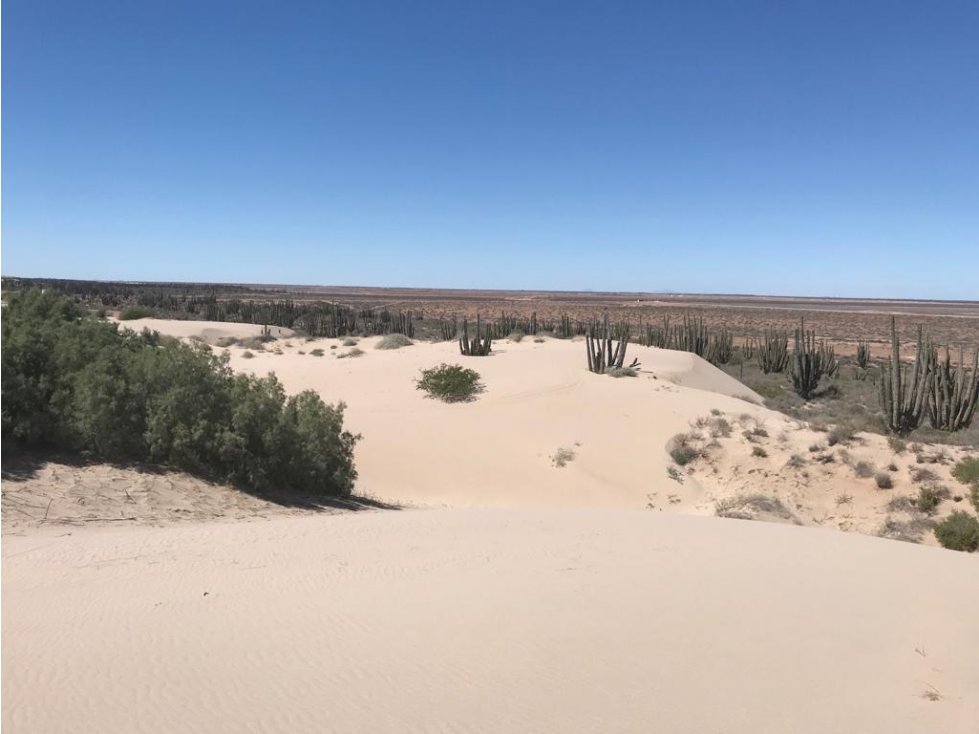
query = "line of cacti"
{"x": 810, "y": 362}
{"x": 478, "y": 346}
{"x": 448, "y": 329}
{"x": 605, "y": 351}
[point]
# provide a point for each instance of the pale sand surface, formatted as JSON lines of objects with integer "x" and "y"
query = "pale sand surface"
{"x": 209, "y": 331}
{"x": 525, "y": 597}
{"x": 487, "y": 620}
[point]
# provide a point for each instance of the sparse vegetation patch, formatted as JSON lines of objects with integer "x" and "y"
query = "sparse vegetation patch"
{"x": 450, "y": 383}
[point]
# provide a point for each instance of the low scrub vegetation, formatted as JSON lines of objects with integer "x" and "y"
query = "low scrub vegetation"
{"x": 959, "y": 531}
{"x": 393, "y": 341}
{"x": 562, "y": 457}
{"x": 753, "y": 506}
{"x": 74, "y": 383}
{"x": 682, "y": 450}
{"x": 450, "y": 383}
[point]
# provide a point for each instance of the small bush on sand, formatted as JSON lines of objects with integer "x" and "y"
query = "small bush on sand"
{"x": 247, "y": 355}
{"x": 539, "y": 340}
{"x": 863, "y": 469}
{"x": 681, "y": 450}
{"x": 909, "y": 531}
{"x": 516, "y": 335}
{"x": 759, "y": 452}
{"x": 839, "y": 434}
{"x": 316, "y": 352}
{"x": 795, "y": 462}
{"x": 929, "y": 498}
{"x": 355, "y": 352}
{"x": 922, "y": 475}
{"x": 450, "y": 383}
{"x": 750, "y": 506}
{"x": 673, "y": 473}
{"x": 562, "y": 457}
{"x": 959, "y": 531}
{"x": 967, "y": 471}
{"x": 719, "y": 427}
{"x": 393, "y": 341}
{"x": 621, "y": 372}
{"x": 898, "y": 445}
{"x": 134, "y": 312}
{"x": 883, "y": 480}
{"x": 349, "y": 342}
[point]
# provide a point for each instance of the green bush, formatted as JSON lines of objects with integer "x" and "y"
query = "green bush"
{"x": 959, "y": 531}
{"x": 73, "y": 383}
{"x": 450, "y": 383}
{"x": 967, "y": 470}
{"x": 131, "y": 313}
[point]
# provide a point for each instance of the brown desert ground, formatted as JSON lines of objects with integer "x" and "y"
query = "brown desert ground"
{"x": 545, "y": 566}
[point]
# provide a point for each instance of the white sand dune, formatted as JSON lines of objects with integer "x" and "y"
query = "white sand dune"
{"x": 545, "y": 598}
{"x": 487, "y": 621}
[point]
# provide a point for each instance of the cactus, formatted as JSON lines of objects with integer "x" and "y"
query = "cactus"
{"x": 448, "y": 329}
{"x": 477, "y": 347}
{"x": 603, "y": 353}
{"x": 953, "y": 393}
{"x": 810, "y": 362}
{"x": 863, "y": 355}
{"x": 773, "y": 354}
{"x": 748, "y": 349}
{"x": 720, "y": 347}
{"x": 903, "y": 396}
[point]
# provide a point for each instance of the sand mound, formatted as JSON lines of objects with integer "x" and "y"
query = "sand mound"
{"x": 498, "y": 451}
{"x": 210, "y": 331}
{"x": 489, "y": 620}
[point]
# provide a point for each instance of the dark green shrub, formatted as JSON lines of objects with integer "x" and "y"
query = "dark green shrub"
{"x": 883, "y": 480}
{"x": 316, "y": 352}
{"x": 959, "y": 531}
{"x": 134, "y": 312}
{"x": 929, "y": 498}
{"x": 967, "y": 470}
{"x": 450, "y": 383}
{"x": 74, "y": 383}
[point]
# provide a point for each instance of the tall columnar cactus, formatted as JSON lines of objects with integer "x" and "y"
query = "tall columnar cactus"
{"x": 603, "y": 353}
{"x": 748, "y": 349}
{"x": 863, "y": 355}
{"x": 953, "y": 393}
{"x": 478, "y": 346}
{"x": 720, "y": 347}
{"x": 903, "y": 396}
{"x": 449, "y": 329}
{"x": 807, "y": 363}
{"x": 773, "y": 352}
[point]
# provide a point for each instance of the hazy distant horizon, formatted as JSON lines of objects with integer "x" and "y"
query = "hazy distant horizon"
{"x": 310, "y": 287}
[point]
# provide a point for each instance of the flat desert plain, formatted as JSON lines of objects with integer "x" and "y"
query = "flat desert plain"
{"x": 544, "y": 566}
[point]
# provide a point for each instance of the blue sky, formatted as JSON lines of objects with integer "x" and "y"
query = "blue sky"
{"x": 808, "y": 148}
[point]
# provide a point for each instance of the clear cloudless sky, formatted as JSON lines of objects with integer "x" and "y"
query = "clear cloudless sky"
{"x": 735, "y": 146}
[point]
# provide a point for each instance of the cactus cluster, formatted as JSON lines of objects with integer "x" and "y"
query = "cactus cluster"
{"x": 603, "y": 351}
{"x": 478, "y": 346}
{"x": 953, "y": 393}
{"x": 903, "y": 396}
{"x": 810, "y": 362}
{"x": 773, "y": 352}
{"x": 863, "y": 355}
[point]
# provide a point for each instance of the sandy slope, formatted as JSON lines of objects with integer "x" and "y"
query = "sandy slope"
{"x": 209, "y": 331}
{"x": 548, "y": 599}
{"x": 497, "y": 451}
{"x": 487, "y": 620}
